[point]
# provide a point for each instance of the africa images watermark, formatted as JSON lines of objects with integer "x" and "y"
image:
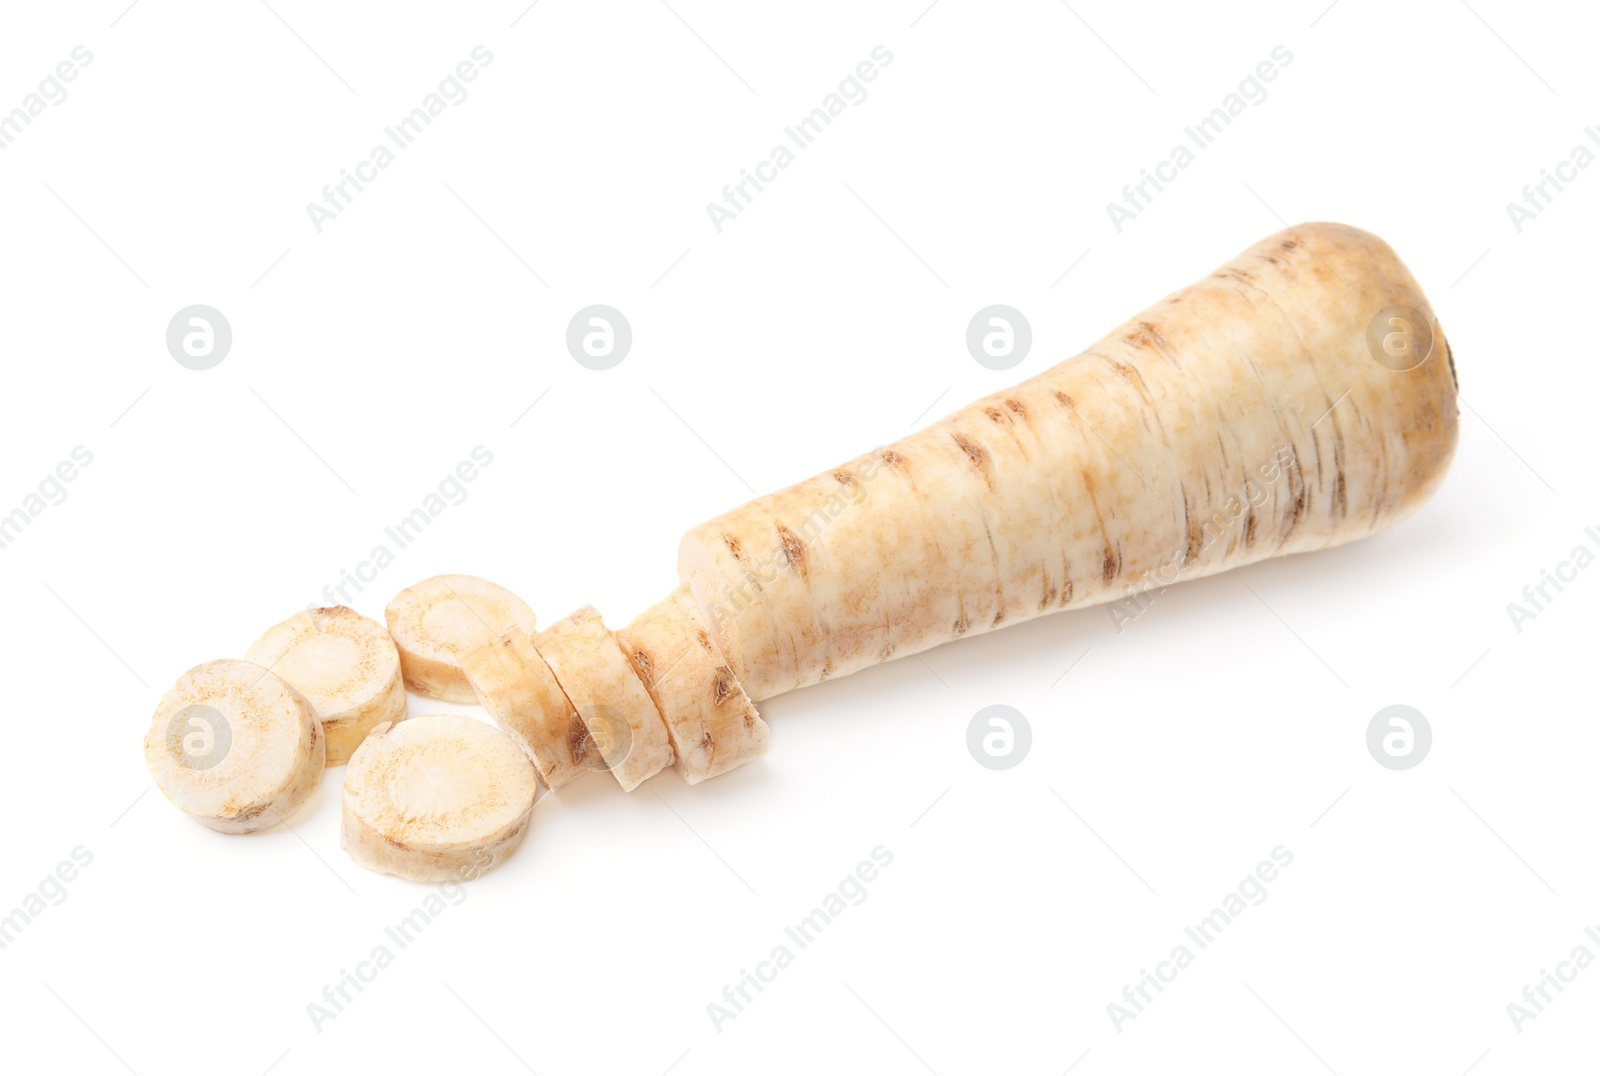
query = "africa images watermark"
{"x": 338, "y": 995}
{"x": 451, "y": 91}
{"x": 51, "y": 491}
{"x": 52, "y": 90}
{"x": 1252, "y": 495}
{"x": 1536, "y": 996}
{"x": 1252, "y": 888}
{"x": 1538, "y": 197}
{"x": 50, "y": 892}
{"x": 1137, "y": 197}
{"x": 1538, "y": 596}
{"x": 786, "y": 553}
{"x": 450, "y": 492}
{"x": 850, "y": 892}
{"x": 851, "y": 91}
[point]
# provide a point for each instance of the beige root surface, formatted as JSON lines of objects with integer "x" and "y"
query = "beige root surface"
{"x": 437, "y": 620}
{"x": 235, "y": 747}
{"x": 609, "y": 696}
{"x": 344, "y": 664}
{"x": 712, "y": 722}
{"x": 515, "y": 684}
{"x": 436, "y": 798}
{"x": 1241, "y": 418}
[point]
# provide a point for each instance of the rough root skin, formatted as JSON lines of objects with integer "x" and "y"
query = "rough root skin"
{"x": 713, "y": 724}
{"x": 1241, "y": 418}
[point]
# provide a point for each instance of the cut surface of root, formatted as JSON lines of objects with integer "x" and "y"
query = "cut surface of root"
{"x": 234, "y": 746}
{"x": 436, "y": 621}
{"x": 436, "y": 798}
{"x": 344, "y": 664}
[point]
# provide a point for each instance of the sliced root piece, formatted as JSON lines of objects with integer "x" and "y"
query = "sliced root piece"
{"x": 516, "y": 686}
{"x": 344, "y": 664}
{"x": 613, "y": 704}
{"x": 439, "y": 619}
{"x": 440, "y": 798}
{"x": 234, "y": 746}
{"x": 713, "y": 724}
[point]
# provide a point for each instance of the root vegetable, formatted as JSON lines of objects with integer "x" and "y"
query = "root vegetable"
{"x": 436, "y": 798}
{"x": 436, "y": 621}
{"x": 712, "y": 723}
{"x": 344, "y": 664}
{"x": 620, "y": 715}
{"x": 516, "y": 686}
{"x": 1241, "y": 418}
{"x": 234, "y": 747}
{"x": 1300, "y": 397}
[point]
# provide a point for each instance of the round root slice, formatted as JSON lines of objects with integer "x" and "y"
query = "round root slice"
{"x": 713, "y": 724}
{"x": 344, "y": 664}
{"x": 521, "y": 694}
{"x": 234, "y": 746}
{"x": 439, "y": 619}
{"x": 619, "y": 713}
{"x": 440, "y": 798}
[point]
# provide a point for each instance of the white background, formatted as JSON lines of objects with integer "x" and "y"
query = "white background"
{"x": 369, "y": 359}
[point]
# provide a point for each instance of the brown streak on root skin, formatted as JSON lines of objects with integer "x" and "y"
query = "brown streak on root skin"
{"x": 1145, "y": 335}
{"x": 248, "y": 813}
{"x": 722, "y": 690}
{"x": 974, "y": 451}
{"x": 997, "y": 416}
{"x": 1341, "y": 505}
{"x": 1130, "y": 375}
{"x": 893, "y": 459}
{"x": 793, "y": 549}
{"x": 1016, "y": 408}
{"x": 1192, "y": 546}
{"x": 844, "y": 477}
{"x": 646, "y": 667}
{"x": 1109, "y": 564}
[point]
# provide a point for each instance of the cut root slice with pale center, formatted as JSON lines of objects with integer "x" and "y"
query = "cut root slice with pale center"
{"x": 344, "y": 664}
{"x": 439, "y": 798}
{"x": 516, "y": 686}
{"x": 439, "y": 619}
{"x": 234, "y": 746}
{"x": 619, "y": 713}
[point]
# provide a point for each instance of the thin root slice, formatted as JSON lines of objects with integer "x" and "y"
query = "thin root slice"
{"x": 234, "y": 746}
{"x": 437, "y": 798}
{"x": 436, "y": 621}
{"x": 620, "y": 715}
{"x": 713, "y": 724}
{"x": 516, "y": 686}
{"x": 344, "y": 664}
